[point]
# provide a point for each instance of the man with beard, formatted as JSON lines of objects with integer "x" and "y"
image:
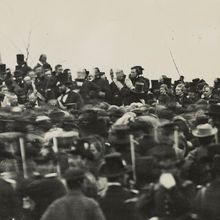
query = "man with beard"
{"x": 137, "y": 76}
{"x": 68, "y": 98}
{"x": 120, "y": 88}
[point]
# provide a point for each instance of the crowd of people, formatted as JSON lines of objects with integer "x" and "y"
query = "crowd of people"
{"x": 107, "y": 147}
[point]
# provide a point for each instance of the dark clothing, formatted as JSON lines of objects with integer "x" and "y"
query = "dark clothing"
{"x": 135, "y": 98}
{"x": 115, "y": 205}
{"x": 70, "y": 100}
{"x": 44, "y": 66}
{"x": 89, "y": 91}
{"x": 24, "y": 69}
{"x": 144, "y": 80}
{"x": 118, "y": 96}
{"x": 164, "y": 99}
{"x": 43, "y": 192}
{"x": 207, "y": 202}
{"x": 9, "y": 205}
{"x": 74, "y": 206}
{"x": 157, "y": 201}
{"x": 183, "y": 100}
{"x": 104, "y": 88}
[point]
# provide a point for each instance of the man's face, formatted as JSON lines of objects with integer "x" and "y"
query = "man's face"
{"x": 62, "y": 89}
{"x": 39, "y": 71}
{"x": 32, "y": 75}
{"x": 43, "y": 59}
{"x": 48, "y": 74}
{"x": 162, "y": 90}
{"x": 60, "y": 70}
{"x": 207, "y": 92}
{"x": 133, "y": 73}
{"x": 179, "y": 91}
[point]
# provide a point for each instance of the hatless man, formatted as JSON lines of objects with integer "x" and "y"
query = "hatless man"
{"x": 136, "y": 75}
{"x": 75, "y": 205}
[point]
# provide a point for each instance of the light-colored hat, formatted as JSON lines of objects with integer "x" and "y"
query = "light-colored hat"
{"x": 204, "y": 130}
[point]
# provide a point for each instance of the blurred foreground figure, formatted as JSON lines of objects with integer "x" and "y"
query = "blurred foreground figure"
{"x": 75, "y": 205}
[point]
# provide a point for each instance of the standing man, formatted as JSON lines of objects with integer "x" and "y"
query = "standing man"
{"x": 120, "y": 88}
{"x": 75, "y": 205}
{"x": 137, "y": 76}
{"x": 22, "y": 65}
{"x": 43, "y": 62}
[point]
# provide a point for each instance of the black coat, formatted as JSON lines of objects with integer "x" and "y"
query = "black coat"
{"x": 104, "y": 87}
{"x": 142, "y": 80}
{"x": 43, "y": 192}
{"x": 9, "y": 205}
{"x": 118, "y": 97}
{"x": 115, "y": 204}
{"x": 23, "y": 68}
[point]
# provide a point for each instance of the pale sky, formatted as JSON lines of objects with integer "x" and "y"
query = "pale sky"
{"x": 116, "y": 34}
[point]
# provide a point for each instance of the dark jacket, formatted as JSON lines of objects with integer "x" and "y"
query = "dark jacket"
{"x": 142, "y": 80}
{"x": 118, "y": 96}
{"x": 104, "y": 87}
{"x": 9, "y": 205}
{"x": 23, "y": 68}
{"x": 115, "y": 204}
{"x": 75, "y": 206}
{"x": 207, "y": 202}
{"x": 43, "y": 192}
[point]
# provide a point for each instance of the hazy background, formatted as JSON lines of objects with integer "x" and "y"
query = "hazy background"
{"x": 115, "y": 34}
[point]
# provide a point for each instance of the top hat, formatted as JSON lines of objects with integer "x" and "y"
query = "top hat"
{"x": 20, "y": 57}
{"x": 155, "y": 84}
{"x": 167, "y": 81}
{"x": 139, "y": 88}
{"x": 204, "y": 130}
{"x": 74, "y": 174}
{"x": 114, "y": 166}
{"x": 2, "y": 68}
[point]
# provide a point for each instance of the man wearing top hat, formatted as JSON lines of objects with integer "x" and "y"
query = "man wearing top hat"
{"x": 22, "y": 65}
{"x": 136, "y": 75}
{"x": 116, "y": 203}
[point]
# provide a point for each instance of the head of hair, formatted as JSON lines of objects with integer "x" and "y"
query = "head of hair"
{"x": 57, "y": 67}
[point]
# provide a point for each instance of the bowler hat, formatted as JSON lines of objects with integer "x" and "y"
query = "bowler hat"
{"x": 204, "y": 130}
{"x": 114, "y": 166}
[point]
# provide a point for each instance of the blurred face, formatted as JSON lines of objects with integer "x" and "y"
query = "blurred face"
{"x": 43, "y": 59}
{"x": 91, "y": 76}
{"x": 27, "y": 80}
{"x": 133, "y": 73}
{"x": 120, "y": 76}
{"x": 60, "y": 70}
{"x": 162, "y": 91}
{"x": 48, "y": 74}
{"x": 207, "y": 92}
{"x": 39, "y": 71}
{"x": 62, "y": 89}
{"x": 32, "y": 75}
{"x": 179, "y": 91}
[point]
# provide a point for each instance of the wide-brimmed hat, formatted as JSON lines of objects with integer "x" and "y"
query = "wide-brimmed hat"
{"x": 113, "y": 166}
{"x": 204, "y": 130}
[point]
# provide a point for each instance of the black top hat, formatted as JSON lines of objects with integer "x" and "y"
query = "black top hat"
{"x": 155, "y": 84}
{"x": 114, "y": 166}
{"x": 139, "y": 88}
{"x": 2, "y": 68}
{"x": 20, "y": 57}
{"x": 74, "y": 174}
{"x": 167, "y": 81}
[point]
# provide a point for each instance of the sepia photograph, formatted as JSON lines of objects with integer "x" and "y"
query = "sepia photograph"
{"x": 110, "y": 110}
